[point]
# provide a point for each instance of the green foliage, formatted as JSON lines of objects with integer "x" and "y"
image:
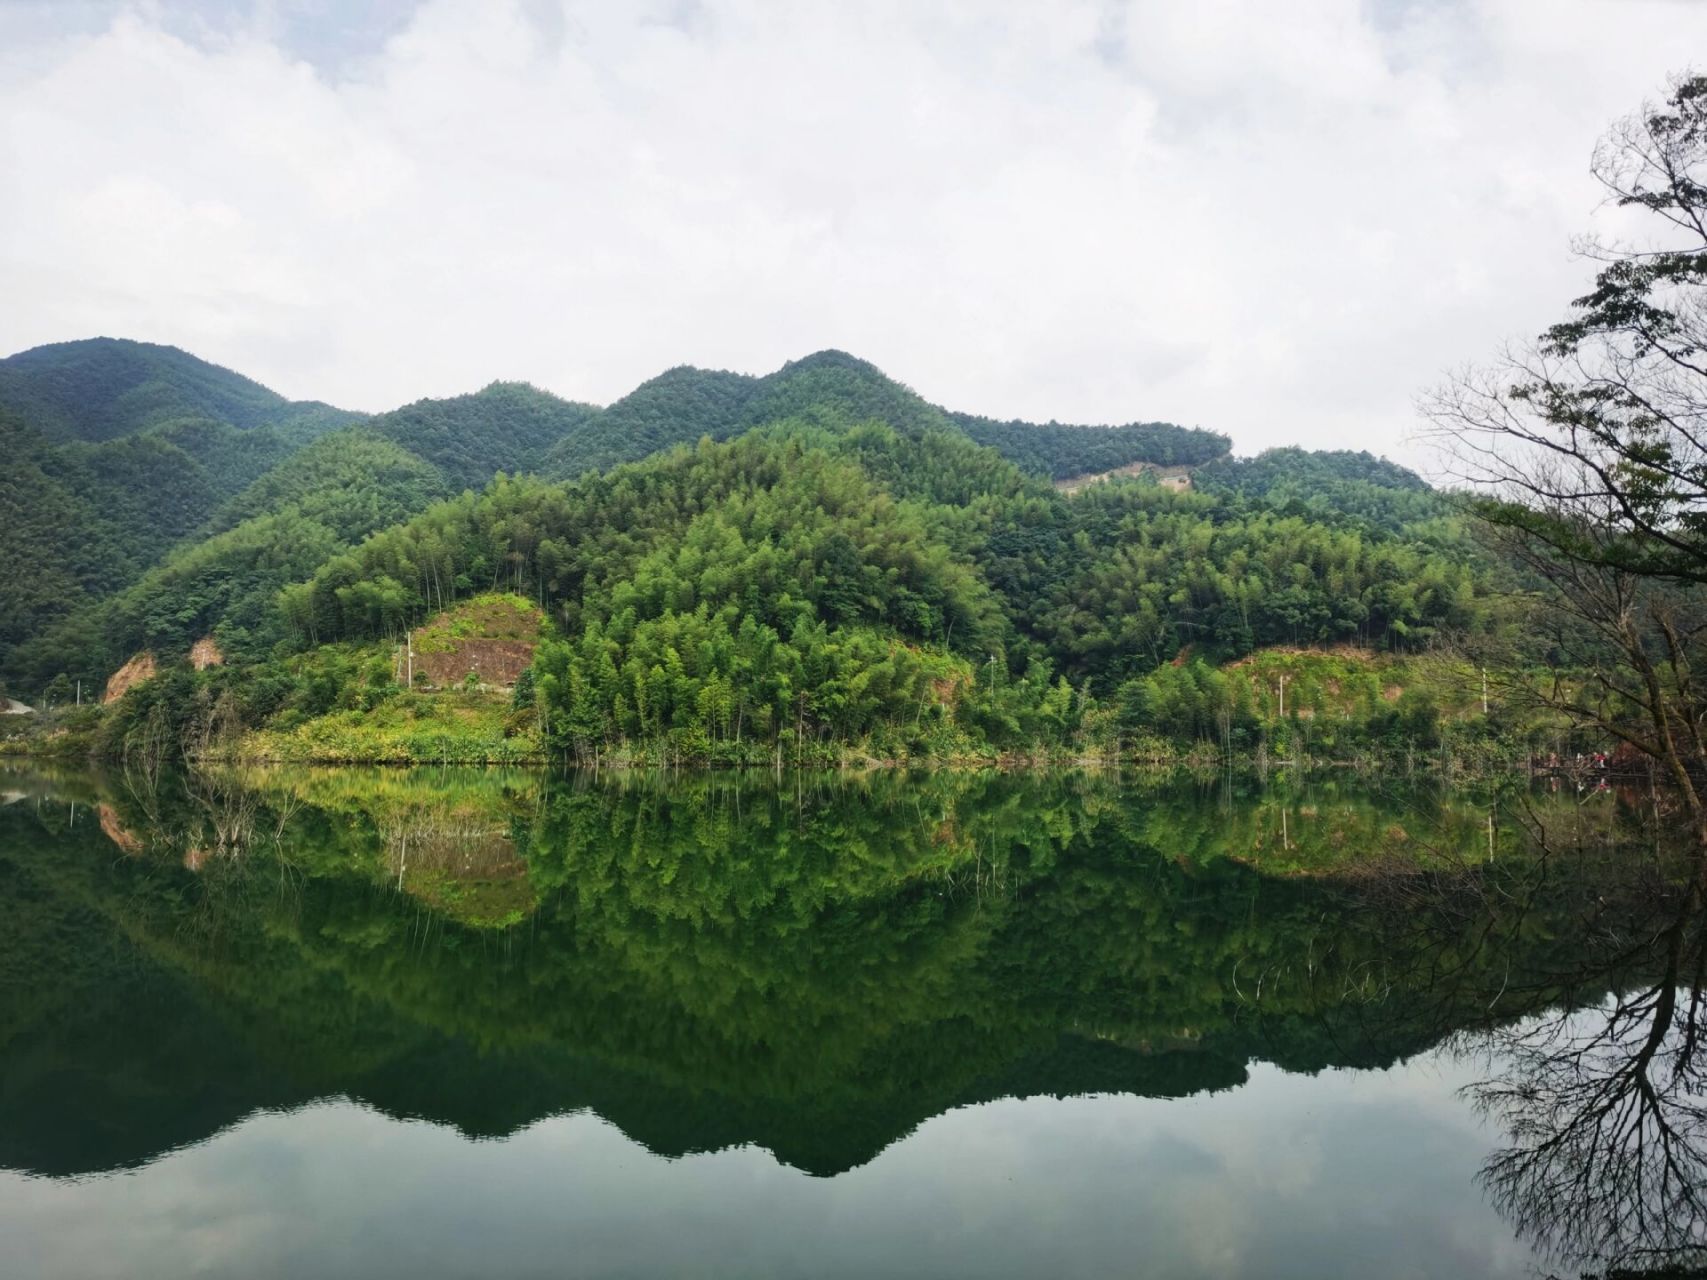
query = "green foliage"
{"x": 1330, "y": 485}
{"x": 60, "y": 548}
{"x": 116, "y": 451}
{"x": 1127, "y": 576}
{"x": 786, "y": 524}
{"x": 1060, "y": 451}
{"x": 331, "y": 494}
{"x": 319, "y": 501}
{"x": 855, "y": 577}
{"x": 1345, "y": 705}
{"x": 92, "y": 519}
{"x": 81, "y": 521}
{"x": 509, "y": 426}
{"x": 352, "y": 481}
{"x": 466, "y": 726}
{"x": 678, "y": 406}
{"x": 492, "y": 617}
{"x": 103, "y": 388}
{"x": 833, "y": 389}
{"x": 803, "y": 590}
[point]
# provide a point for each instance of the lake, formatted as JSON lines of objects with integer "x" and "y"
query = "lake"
{"x": 460, "y": 1022}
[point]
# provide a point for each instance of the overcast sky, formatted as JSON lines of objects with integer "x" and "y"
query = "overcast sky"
{"x": 1280, "y": 220}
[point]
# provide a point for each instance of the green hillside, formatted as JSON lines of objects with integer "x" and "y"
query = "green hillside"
{"x": 806, "y": 592}
{"x": 1328, "y": 484}
{"x": 117, "y": 452}
{"x": 509, "y": 426}
{"x": 201, "y": 522}
{"x": 125, "y": 451}
{"x": 834, "y": 389}
{"x": 101, "y": 388}
{"x": 658, "y": 413}
{"x": 49, "y": 524}
{"x": 80, "y": 521}
{"x": 812, "y": 563}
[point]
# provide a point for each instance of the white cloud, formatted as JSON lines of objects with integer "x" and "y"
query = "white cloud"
{"x": 1276, "y": 220}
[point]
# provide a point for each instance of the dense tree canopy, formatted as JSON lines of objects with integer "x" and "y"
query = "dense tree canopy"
{"x": 807, "y": 584}
{"x": 103, "y": 388}
{"x": 834, "y": 389}
{"x": 802, "y": 561}
{"x": 1329, "y": 485}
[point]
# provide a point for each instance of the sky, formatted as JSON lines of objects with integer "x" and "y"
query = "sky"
{"x": 1281, "y": 221}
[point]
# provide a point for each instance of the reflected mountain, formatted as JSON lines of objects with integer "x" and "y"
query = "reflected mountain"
{"x": 815, "y": 965}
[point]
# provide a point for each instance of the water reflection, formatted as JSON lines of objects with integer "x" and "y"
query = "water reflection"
{"x": 1606, "y": 1110}
{"x": 819, "y": 966}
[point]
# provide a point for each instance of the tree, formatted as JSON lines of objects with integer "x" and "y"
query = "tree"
{"x": 59, "y": 690}
{"x": 1588, "y": 452}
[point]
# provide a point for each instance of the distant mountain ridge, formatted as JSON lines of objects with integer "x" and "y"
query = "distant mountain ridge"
{"x": 98, "y": 389}
{"x": 832, "y": 388}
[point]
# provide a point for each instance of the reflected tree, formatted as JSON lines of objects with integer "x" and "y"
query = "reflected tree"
{"x": 1606, "y": 1115}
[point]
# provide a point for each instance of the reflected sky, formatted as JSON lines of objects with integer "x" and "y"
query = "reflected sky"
{"x": 1340, "y": 1174}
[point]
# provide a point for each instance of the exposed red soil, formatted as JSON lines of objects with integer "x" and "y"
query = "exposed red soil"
{"x": 493, "y": 662}
{"x": 140, "y": 668}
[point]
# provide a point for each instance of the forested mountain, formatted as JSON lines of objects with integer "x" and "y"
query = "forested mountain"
{"x": 80, "y": 521}
{"x": 819, "y": 586}
{"x": 657, "y": 414}
{"x": 834, "y": 389}
{"x": 253, "y": 509}
{"x": 101, "y": 388}
{"x": 728, "y": 563}
{"x": 59, "y": 547}
{"x": 1331, "y": 483}
{"x": 509, "y": 426}
{"x": 124, "y": 450}
{"x": 115, "y": 452}
{"x": 312, "y": 504}
{"x": 1061, "y": 451}
{"x": 930, "y": 538}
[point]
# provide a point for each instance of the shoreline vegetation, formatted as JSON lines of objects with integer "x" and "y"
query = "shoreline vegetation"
{"x": 478, "y": 727}
{"x": 487, "y": 682}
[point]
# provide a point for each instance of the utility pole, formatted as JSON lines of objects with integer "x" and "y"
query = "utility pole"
{"x": 79, "y": 693}
{"x": 1283, "y": 696}
{"x": 1484, "y": 691}
{"x": 410, "y": 644}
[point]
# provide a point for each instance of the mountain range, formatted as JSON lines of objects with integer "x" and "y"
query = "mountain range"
{"x": 721, "y": 554}
{"x": 118, "y": 451}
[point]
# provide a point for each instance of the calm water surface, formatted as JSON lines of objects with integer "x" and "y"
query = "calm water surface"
{"x": 442, "y": 1023}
